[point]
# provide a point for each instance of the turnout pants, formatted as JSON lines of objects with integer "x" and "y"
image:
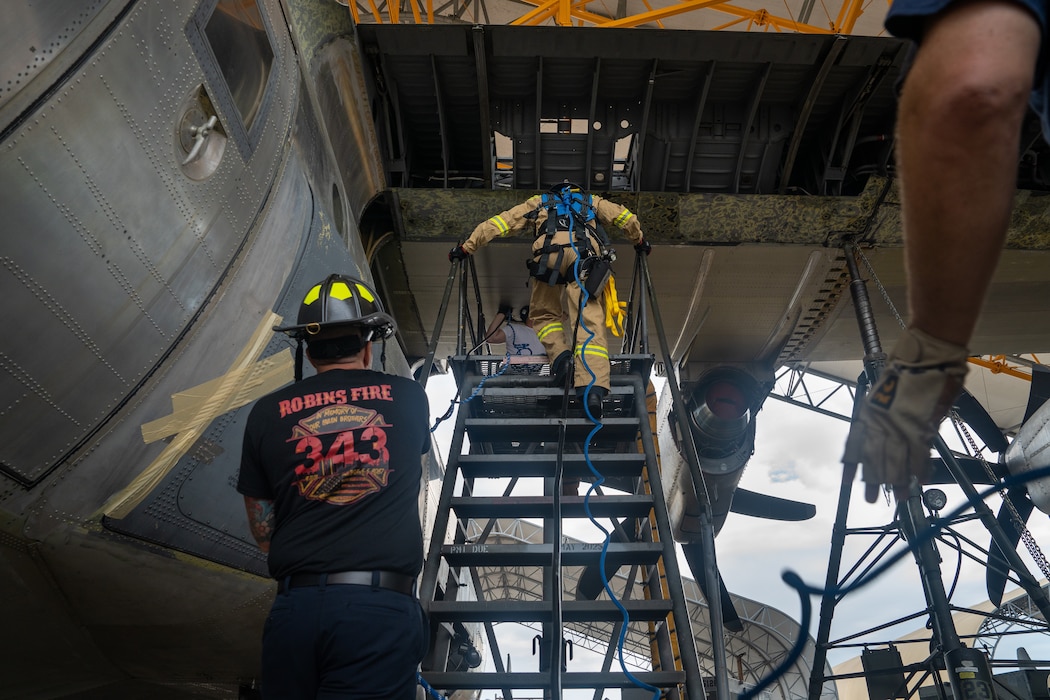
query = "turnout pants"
{"x": 346, "y": 642}
{"x": 551, "y": 303}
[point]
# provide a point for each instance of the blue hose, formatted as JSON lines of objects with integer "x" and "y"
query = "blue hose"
{"x": 599, "y": 479}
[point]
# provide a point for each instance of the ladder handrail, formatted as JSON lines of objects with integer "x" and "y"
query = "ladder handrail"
{"x": 692, "y": 458}
{"x": 432, "y": 348}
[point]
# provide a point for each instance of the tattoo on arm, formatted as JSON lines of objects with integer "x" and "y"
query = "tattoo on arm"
{"x": 260, "y": 520}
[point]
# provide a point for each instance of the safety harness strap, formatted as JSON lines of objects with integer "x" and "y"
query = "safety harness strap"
{"x": 580, "y": 225}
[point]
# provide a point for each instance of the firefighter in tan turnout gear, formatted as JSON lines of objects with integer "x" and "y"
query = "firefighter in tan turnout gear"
{"x": 568, "y": 224}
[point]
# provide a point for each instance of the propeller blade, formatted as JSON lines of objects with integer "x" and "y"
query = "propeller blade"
{"x": 971, "y": 467}
{"x": 760, "y": 505}
{"x": 1028, "y": 452}
{"x": 997, "y": 571}
{"x": 694, "y": 555}
{"x": 979, "y": 420}
{"x": 1040, "y": 390}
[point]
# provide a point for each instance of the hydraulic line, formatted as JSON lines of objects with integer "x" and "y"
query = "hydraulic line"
{"x": 869, "y": 332}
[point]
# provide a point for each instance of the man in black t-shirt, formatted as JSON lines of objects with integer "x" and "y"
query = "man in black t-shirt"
{"x": 330, "y": 472}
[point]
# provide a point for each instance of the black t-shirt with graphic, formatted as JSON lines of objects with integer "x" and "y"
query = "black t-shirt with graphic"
{"x": 339, "y": 454}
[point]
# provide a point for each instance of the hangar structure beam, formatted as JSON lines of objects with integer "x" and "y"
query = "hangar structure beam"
{"x": 794, "y": 16}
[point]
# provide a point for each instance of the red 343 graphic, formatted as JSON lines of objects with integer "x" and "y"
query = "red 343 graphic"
{"x": 344, "y": 465}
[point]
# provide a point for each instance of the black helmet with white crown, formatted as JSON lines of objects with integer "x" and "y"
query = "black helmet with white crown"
{"x": 341, "y": 301}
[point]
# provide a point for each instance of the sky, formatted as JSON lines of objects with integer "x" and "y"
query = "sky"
{"x": 797, "y": 455}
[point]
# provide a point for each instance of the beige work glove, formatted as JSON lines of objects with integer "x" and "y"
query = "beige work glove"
{"x": 900, "y": 415}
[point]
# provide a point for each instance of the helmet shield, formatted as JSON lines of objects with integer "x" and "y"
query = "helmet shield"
{"x": 341, "y": 301}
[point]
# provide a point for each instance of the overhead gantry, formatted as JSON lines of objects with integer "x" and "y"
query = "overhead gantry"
{"x": 793, "y": 16}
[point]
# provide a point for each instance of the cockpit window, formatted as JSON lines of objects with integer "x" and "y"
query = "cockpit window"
{"x": 242, "y": 49}
{"x": 234, "y": 44}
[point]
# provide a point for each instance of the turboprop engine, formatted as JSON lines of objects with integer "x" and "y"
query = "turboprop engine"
{"x": 1029, "y": 451}
{"x": 720, "y": 408}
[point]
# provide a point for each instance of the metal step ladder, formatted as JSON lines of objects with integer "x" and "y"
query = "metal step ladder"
{"x": 524, "y": 429}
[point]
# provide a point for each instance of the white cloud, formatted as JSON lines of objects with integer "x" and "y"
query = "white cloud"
{"x": 782, "y": 475}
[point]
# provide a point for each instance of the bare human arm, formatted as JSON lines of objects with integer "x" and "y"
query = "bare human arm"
{"x": 494, "y": 333}
{"x": 260, "y": 520}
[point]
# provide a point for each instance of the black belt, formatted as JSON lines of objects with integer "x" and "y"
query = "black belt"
{"x": 389, "y": 580}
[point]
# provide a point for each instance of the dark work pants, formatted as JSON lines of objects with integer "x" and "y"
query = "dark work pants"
{"x": 326, "y": 642}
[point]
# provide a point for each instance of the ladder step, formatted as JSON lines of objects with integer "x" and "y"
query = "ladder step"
{"x": 546, "y": 429}
{"x": 496, "y": 393}
{"x": 572, "y": 554}
{"x": 540, "y": 611}
{"x": 589, "y": 679}
{"x": 638, "y": 364}
{"x": 543, "y": 506}
{"x": 545, "y": 402}
{"x": 615, "y": 465}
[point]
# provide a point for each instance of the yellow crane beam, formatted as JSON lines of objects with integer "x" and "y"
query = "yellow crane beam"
{"x": 596, "y": 13}
{"x": 998, "y": 364}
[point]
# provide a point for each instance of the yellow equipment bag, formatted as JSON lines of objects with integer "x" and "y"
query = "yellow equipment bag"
{"x": 615, "y": 310}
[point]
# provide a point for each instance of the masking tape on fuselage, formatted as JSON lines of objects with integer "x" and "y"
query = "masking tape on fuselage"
{"x": 194, "y": 409}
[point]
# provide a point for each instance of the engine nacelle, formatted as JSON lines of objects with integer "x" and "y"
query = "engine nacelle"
{"x": 1029, "y": 451}
{"x": 720, "y": 407}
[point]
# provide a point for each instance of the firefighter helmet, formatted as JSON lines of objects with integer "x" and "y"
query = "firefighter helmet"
{"x": 337, "y": 301}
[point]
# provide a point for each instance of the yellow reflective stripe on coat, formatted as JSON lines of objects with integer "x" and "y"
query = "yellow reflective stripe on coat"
{"x": 555, "y": 327}
{"x": 593, "y": 349}
{"x": 623, "y": 218}
{"x": 499, "y": 222}
{"x": 615, "y": 310}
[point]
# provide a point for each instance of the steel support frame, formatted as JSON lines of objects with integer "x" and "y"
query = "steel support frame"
{"x": 911, "y": 523}
{"x": 574, "y": 12}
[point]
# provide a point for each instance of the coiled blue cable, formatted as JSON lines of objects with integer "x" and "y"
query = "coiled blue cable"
{"x": 477, "y": 390}
{"x": 429, "y": 690}
{"x": 599, "y": 479}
